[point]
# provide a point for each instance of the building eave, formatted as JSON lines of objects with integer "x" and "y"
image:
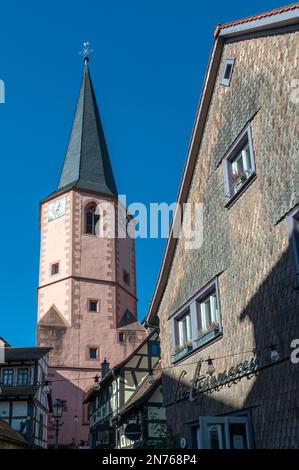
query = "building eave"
{"x": 286, "y": 15}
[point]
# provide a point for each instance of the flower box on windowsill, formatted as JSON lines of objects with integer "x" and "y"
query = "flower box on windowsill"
{"x": 207, "y": 336}
{"x": 181, "y": 352}
{"x": 237, "y": 190}
{"x": 239, "y": 179}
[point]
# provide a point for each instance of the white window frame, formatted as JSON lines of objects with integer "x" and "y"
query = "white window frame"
{"x": 212, "y": 299}
{"x": 203, "y": 440}
{"x": 229, "y": 61}
{"x": 243, "y": 141}
{"x": 185, "y": 320}
{"x": 193, "y": 310}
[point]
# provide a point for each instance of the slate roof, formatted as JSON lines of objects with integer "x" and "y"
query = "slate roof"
{"x": 87, "y": 164}
{"x": 26, "y": 391}
{"x": 25, "y": 354}
{"x": 7, "y": 433}
{"x": 260, "y": 16}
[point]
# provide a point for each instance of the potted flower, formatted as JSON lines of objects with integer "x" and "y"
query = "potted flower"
{"x": 213, "y": 325}
{"x": 181, "y": 350}
{"x": 205, "y": 335}
{"x": 238, "y": 178}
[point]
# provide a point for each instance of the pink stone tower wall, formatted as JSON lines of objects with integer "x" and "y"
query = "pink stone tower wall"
{"x": 90, "y": 267}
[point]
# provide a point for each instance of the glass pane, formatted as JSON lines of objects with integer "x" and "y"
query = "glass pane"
{"x": 199, "y": 320}
{"x": 188, "y": 323}
{"x": 246, "y": 159}
{"x": 213, "y": 302}
{"x": 227, "y": 72}
{"x": 184, "y": 327}
{"x": 215, "y": 433}
{"x": 238, "y": 436}
{"x": 184, "y": 330}
{"x": 238, "y": 164}
{"x": 22, "y": 376}
{"x": 208, "y": 312}
{"x": 181, "y": 339}
{"x": 89, "y": 222}
{"x": 4, "y": 409}
{"x": 8, "y": 377}
{"x": 19, "y": 408}
{"x": 19, "y": 425}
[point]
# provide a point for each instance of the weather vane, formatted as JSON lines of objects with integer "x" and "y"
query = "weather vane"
{"x": 86, "y": 51}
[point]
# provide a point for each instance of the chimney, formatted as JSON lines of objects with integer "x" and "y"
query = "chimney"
{"x": 104, "y": 368}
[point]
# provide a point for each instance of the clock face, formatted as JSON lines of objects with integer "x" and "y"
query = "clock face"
{"x": 56, "y": 208}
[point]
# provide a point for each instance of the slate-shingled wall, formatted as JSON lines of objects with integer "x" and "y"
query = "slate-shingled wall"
{"x": 246, "y": 245}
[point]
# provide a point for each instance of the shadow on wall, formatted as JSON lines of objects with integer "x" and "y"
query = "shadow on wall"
{"x": 75, "y": 426}
{"x": 271, "y": 397}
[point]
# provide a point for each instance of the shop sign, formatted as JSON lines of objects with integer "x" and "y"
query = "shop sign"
{"x": 203, "y": 383}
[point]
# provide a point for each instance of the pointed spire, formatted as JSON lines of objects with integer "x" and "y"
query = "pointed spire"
{"x": 87, "y": 164}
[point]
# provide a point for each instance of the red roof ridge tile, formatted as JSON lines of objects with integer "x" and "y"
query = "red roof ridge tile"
{"x": 259, "y": 16}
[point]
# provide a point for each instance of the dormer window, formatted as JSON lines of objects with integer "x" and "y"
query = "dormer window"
{"x": 92, "y": 220}
{"x": 227, "y": 71}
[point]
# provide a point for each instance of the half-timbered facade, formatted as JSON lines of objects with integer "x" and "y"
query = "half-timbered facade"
{"x": 115, "y": 389}
{"x": 145, "y": 409}
{"x": 24, "y": 398}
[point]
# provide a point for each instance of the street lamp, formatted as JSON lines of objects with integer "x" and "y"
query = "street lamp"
{"x": 57, "y": 408}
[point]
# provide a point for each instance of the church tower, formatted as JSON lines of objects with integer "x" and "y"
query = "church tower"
{"x": 87, "y": 306}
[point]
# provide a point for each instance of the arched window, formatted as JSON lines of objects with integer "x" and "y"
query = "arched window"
{"x": 92, "y": 220}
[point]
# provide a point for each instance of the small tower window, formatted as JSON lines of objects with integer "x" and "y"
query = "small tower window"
{"x": 93, "y": 352}
{"x": 227, "y": 72}
{"x": 93, "y": 306}
{"x": 126, "y": 277}
{"x": 121, "y": 338}
{"x": 92, "y": 219}
{"x": 55, "y": 269}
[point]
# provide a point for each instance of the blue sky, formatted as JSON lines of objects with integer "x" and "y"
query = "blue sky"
{"x": 148, "y": 67}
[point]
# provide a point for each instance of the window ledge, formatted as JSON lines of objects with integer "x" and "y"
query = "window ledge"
{"x": 181, "y": 353}
{"x": 244, "y": 186}
{"x": 206, "y": 337}
{"x": 198, "y": 344}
